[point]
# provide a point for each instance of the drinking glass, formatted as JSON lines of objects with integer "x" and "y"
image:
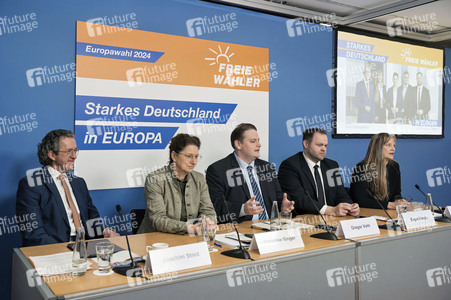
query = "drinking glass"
{"x": 104, "y": 253}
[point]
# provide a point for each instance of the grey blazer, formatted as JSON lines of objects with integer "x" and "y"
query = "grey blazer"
{"x": 164, "y": 201}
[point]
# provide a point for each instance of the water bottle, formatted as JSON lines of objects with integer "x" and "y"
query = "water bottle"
{"x": 80, "y": 255}
{"x": 429, "y": 202}
{"x": 275, "y": 218}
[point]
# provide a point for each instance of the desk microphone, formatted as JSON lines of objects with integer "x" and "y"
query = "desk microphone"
{"x": 394, "y": 223}
{"x": 133, "y": 270}
{"x": 329, "y": 235}
{"x": 443, "y": 218}
{"x": 240, "y": 252}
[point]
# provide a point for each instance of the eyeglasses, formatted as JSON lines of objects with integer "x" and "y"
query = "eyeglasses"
{"x": 191, "y": 156}
{"x": 70, "y": 151}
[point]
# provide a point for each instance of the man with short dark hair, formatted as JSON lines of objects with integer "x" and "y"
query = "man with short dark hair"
{"x": 309, "y": 174}
{"x": 56, "y": 200}
{"x": 243, "y": 187}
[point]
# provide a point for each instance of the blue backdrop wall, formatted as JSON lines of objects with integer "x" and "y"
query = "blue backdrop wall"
{"x": 45, "y": 37}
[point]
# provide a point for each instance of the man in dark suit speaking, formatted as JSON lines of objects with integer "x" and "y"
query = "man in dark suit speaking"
{"x": 58, "y": 201}
{"x": 309, "y": 172}
{"x": 243, "y": 187}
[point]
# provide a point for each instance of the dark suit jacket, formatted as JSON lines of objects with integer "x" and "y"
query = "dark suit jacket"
{"x": 380, "y": 107}
{"x": 410, "y": 102}
{"x": 359, "y": 186}
{"x": 38, "y": 200}
{"x": 399, "y": 103}
{"x": 425, "y": 102}
{"x": 295, "y": 178}
{"x": 225, "y": 184}
{"x": 361, "y": 100}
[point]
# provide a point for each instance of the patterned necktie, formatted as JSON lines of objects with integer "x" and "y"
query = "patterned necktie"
{"x": 257, "y": 194}
{"x": 319, "y": 186}
{"x": 75, "y": 215}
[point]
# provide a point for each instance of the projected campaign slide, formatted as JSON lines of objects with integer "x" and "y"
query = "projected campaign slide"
{"x": 135, "y": 90}
{"x": 387, "y": 86}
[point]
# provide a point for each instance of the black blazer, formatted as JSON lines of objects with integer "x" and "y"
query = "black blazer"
{"x": 359, "y": 186}
{"x": 226, "y": 184}
{"x": 295, "y": 177}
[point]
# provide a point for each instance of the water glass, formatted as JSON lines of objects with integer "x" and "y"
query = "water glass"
{"x": 285, "y": 220}
{"x": 104, "y": 253}
{"x": 210, "y": 236}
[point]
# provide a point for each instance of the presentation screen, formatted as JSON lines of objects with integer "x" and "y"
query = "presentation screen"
{"x": 387, "y": 86}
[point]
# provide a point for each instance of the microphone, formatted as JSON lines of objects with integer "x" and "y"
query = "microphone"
{"x": 443, "y": 218}
{"x": 240, "y": 253}
{"x": 394, "y": 223}
{"x": 329, "y": 235}
{"x": 133, "y": 270}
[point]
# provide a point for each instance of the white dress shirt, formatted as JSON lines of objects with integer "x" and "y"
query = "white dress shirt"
{"x": 311, "y": 165}
{"x": 243, "y": 166}
{"x": 54, "y": 173}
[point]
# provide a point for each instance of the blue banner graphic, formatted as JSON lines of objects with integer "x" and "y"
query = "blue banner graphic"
{"x": 118, "y": 52}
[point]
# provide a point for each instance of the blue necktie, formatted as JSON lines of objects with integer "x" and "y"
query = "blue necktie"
{"x": 257, "y": 194}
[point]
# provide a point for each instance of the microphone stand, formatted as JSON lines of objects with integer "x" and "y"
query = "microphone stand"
{"x": 394, "y": 223}
{"x": 133, "y": 270}
{"x": 240, "y": 253}
{"x": 329, "y": 235}
{"x": 443, "y": 218}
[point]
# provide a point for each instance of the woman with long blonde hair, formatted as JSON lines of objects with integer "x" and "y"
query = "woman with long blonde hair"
{"x": 377, "y": 177}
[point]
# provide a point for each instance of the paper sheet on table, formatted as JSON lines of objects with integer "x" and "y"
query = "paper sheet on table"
{"x": 54, "y": 264}
{"x": 231, "y": 239}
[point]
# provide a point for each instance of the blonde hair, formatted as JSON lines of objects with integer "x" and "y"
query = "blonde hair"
{"x": 375, "y": 158}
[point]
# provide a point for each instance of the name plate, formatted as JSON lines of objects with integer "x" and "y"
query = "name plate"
{"x": 448, "y": 211}
{"x": 275, "y": 241}
{"x": 178, "y": 258}
{"x": 358, "y": 227}
{"x": 418, "y": 219}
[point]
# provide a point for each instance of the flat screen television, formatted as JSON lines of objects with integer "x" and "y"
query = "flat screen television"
{"x": 383, "y": 85}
